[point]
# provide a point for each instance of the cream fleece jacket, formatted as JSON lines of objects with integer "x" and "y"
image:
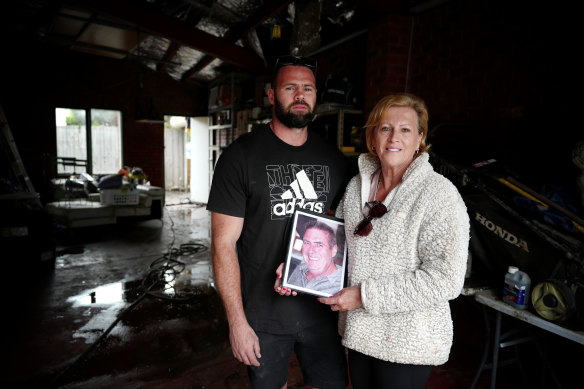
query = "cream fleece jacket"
{"x": 409, "y": 267}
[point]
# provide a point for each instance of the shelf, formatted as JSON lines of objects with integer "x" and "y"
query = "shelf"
{"x": 227, "y": 107}
{"x": 19, "y": 196}
{"x": 320, "y": 112}
{"x": 220, "y": 126}
{"x": 222, "y": 115}
{"x": 336, "y": 126}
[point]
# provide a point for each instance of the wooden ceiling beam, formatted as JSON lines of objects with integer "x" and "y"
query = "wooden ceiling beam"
{"x": 192, "y": 18}
{"x": 261, "y": 15}
{"x": 200, "y": 65}
{"x": 237, "y": 32}
{"x": 168, "y": 56}
{"x": 179, "y": 32}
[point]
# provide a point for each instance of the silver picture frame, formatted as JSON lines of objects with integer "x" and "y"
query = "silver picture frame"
{"x": 317, "y": 265}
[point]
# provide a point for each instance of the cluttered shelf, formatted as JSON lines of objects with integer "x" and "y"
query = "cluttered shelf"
{"x": 341, "y": 126}
{"x": 514, "y": 327}
{"x": 491, "y": 299}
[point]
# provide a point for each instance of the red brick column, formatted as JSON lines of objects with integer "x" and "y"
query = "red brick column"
{"x": 144, "y": 147}
{"x": 388, "y": 47}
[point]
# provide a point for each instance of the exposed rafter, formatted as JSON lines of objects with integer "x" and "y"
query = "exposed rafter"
{"x": 149, "y": 20}
{"x": 168, "y": 56}
{"x": 188, "y": 40}
{"x": 237, "y": 32}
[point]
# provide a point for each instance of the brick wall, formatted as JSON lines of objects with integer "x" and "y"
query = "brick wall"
{"x": 502, "y": 69}
{"x": 345, "y": 60}
{"x": 387, "y": 58}
{"x": 147, "y": 153}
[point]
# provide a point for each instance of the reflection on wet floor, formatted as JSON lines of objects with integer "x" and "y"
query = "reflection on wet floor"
{"x": 133, "y": 302}
{"x": 177, "y": 197}
{"x": 133, "y": 305}
{"x": 176, "y": 276}
{"x": 103, "y": 295}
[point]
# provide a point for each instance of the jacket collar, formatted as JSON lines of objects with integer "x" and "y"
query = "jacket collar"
{"x": 368, "y": 164}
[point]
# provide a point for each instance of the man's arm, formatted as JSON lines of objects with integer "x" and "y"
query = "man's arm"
{"x": 225, "y": 233}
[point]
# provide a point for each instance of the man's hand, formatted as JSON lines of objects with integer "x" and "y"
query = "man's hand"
{"x": 278, "y": 284}
{"x": 244, "y": 344}
{"x": 346, "y": 299}
{"x": 226, "y": 230}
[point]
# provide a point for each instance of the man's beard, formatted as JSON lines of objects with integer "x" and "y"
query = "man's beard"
{"x": 291, "y": 119}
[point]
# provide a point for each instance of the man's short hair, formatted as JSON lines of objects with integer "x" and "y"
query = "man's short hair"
{"x": 287, "y": 60}
{"x": 332, "y": 241}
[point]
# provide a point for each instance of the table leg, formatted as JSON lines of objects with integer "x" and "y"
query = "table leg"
{"x": 485, "y": 348}
{"x": 547, "y": 365}
{"x": 496, "y": 350}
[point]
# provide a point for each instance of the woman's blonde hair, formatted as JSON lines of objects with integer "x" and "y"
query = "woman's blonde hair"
{"x": 398, "y": 100}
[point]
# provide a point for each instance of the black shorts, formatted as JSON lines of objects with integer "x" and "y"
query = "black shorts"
{"x": 318, "y": 349}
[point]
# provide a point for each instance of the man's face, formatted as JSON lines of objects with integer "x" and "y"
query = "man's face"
{"x": 294, "y": 96}
{"x": 316, "y": 252}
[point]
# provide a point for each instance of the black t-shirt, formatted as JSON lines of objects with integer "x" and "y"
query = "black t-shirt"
{"x": 263, "y": 179}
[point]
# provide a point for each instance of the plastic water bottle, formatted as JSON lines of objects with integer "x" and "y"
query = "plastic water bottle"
{"x": 516, "y": 289}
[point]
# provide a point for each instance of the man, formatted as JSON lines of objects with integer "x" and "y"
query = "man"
{"x": 318, "y": 270}
{"x": 258, "y": 182}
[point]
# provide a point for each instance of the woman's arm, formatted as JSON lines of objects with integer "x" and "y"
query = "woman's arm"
{"x": 442, "y": 249}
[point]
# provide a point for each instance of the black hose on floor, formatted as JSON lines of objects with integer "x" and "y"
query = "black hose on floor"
{"x": 163, "y": 271}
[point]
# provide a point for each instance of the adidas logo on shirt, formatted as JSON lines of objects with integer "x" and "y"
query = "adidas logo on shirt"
{"x": 301, "y": 192}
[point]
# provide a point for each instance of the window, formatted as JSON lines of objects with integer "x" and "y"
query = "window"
{"x": 88, "y": 141}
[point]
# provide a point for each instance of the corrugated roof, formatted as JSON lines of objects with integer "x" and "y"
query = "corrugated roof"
{"x": 190, "y": 40}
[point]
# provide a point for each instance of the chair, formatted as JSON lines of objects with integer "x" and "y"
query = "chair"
{"x": 74, "y": 163}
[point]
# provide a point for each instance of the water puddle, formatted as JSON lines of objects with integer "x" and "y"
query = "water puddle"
{"x": 193, "y": 285}
{"x": 103, "y": 295}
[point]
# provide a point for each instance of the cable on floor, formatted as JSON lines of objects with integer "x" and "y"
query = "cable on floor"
{"x": 158, "y": 283}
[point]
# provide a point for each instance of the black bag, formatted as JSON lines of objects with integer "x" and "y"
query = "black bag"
{"x": 337, "y": 90}
{"x": 112, "y": 181}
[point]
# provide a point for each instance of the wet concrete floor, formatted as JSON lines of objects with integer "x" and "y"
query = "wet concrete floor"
{"x": 103, "y": 318}
{"x": 133, "y": 305}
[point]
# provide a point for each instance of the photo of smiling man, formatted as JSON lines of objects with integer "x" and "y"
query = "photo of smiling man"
{"x": 318, "y": 270}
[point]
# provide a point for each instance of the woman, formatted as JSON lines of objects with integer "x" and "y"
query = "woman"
{"x": 407, "y": 236}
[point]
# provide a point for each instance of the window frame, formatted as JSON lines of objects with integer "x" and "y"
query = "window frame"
{"x": 88, "y": 138}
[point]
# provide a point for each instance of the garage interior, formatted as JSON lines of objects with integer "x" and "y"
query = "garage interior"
{"x": 104, "y": 293}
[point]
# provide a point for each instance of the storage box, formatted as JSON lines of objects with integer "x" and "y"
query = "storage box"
{"x": 121, "y": 196}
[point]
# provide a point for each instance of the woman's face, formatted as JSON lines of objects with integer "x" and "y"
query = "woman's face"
{"x": 396, "y": 138}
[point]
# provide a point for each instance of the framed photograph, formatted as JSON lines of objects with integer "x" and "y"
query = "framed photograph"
{"x": 317, "y": 254}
